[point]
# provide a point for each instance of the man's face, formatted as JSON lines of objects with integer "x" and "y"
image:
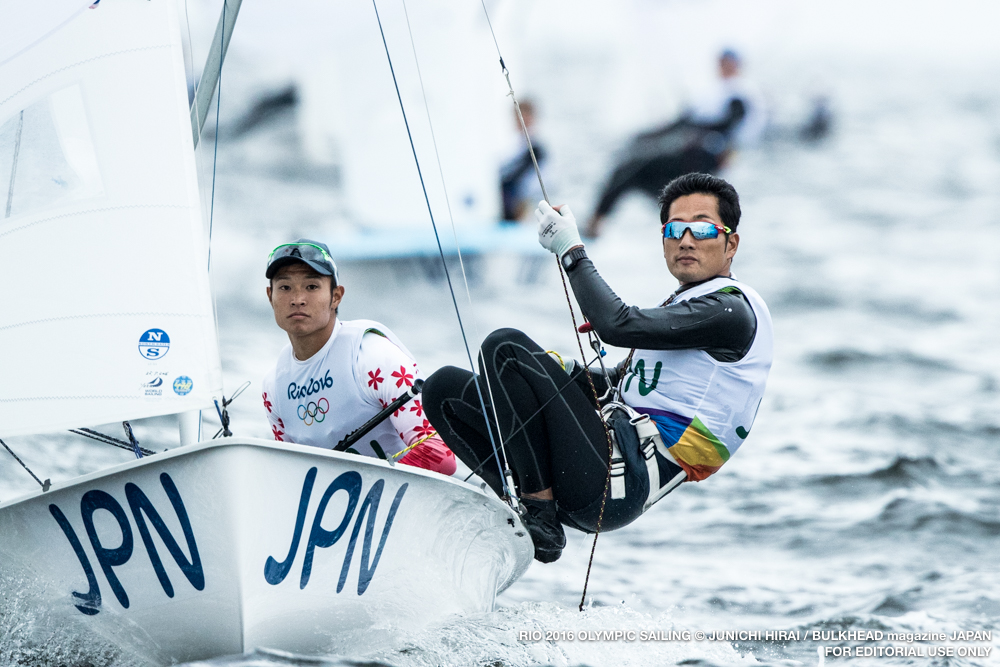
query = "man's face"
{"x": 692, "y": 260}
{"x": 302, "y": 300}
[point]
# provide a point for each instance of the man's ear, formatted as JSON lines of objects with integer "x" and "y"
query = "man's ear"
{"x": 336, "y": 295}
{"x": 269, "y": 295}
{"x": 732, "y": 244}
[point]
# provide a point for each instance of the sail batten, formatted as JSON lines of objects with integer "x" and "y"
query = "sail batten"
{"x": 107, "y": 312}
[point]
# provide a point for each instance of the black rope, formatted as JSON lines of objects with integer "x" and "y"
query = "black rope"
{"x": 444, "y": 264}
{"x": 569, "y": 302}
{"x": 45, "y": 485}
{"x": 108, "y": 440}
{"x": 132, "y": 440}
{"x": 224, "y": 414}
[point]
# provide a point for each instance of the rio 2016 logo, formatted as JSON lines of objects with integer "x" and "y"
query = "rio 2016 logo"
{"x": 314, "y": 412}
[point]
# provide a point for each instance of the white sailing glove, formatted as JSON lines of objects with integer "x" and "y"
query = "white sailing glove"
{"x": 557, "y": 230}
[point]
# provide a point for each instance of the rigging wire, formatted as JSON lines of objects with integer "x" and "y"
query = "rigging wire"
{"x": 45, "y": 485}
{"x": 224, "y": 413}
{"x": 505, "y": 467}
{"x": 505, "y": 474}
{"x": 569, "y": 302}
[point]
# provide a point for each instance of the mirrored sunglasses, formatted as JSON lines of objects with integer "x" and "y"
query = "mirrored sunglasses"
{"x": 700, "y": 229}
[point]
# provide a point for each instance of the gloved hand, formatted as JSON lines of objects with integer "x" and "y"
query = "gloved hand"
{"x": 557, "y": 230}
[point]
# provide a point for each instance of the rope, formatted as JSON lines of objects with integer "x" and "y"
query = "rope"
{"x": 505, "y": 467}
{"x": 517, "y": 106}
{"x": 508, "y": 488}
{"x": 108, "y": 440}
{"x": 132, "y": 440}
{"x": 569, "y": 301}
{"x": 45, "y": 485}
{"x": 224, "y": 414}
{"x": 419, "y": 442}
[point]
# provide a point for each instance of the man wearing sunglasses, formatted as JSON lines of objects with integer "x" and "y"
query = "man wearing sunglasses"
{"x": 335, "y": 375}
{"x": 698, "y": 366}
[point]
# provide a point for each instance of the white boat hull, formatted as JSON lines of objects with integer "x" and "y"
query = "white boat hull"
{"x": 297, "y": 548}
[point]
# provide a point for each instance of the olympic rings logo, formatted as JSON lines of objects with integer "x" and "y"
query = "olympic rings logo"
{"x": 314, "y": 412}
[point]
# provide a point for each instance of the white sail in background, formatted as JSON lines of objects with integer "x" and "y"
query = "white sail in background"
{"x": 105, "y": 309}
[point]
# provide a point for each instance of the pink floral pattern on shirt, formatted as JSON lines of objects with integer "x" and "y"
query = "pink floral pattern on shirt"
{"x": 378, "y": 353}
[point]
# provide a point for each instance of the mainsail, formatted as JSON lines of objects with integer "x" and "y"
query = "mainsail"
{"x": 106, "y": 312}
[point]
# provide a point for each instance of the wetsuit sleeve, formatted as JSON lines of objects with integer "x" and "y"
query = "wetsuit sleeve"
{"x": 271, "y": 406}
{"x": 721, "y": 323}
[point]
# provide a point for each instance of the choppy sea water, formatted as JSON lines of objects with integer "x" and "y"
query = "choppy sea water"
{"x": 866, "y": 498}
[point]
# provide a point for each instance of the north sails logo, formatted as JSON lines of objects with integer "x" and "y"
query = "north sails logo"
{"x": 310, "y": 387}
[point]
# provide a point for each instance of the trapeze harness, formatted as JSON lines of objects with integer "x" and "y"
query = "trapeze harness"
{"x": 690, "y": 412}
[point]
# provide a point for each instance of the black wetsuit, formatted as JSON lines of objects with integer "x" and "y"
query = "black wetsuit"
{"x": 655, "y": 158}
{"x": 549, "y": 425}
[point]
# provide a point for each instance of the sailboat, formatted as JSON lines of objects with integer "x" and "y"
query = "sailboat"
{"x": 213, "y": 547}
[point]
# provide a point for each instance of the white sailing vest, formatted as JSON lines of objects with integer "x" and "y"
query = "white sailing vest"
{"x": 320, "y": 400}
{"x": 703, "y": 408}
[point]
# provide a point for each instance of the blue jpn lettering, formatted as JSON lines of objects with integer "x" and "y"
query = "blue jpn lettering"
{"x": 311, "y": 386}
{"x": 109, "y": 558}
{"x": 275, "y": 572}
{"x": 92, "y": 599}
{"x": 351, "y": 483}
{"x": 367, "y": 567}
{"x": 139, "y": 503}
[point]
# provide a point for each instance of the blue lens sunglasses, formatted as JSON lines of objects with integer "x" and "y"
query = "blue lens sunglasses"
{"x": 700, "y": 229}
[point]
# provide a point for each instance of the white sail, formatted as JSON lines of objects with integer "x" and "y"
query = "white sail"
{"x": 106, "y": 312}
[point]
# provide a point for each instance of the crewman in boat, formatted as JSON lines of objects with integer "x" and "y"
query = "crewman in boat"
{"x": 683, "y": 400}
{"x": 334, "y": 375}
{"x": 729, "y": 115}
{"x": 519, "y": 187}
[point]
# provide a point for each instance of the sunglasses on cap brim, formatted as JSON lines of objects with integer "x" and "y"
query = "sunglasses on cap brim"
{"x": 304, "y": 251}
{"x": 700, "y": 229}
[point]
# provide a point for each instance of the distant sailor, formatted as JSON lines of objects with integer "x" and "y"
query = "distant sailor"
{"x": 519, "y": 187}
{"x": 727, "y": 116}
{"x": 698, "y": 367}
{"x": 335, "y": 375}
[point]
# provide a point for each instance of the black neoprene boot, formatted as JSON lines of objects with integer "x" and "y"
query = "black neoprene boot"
{"x": 544, "y": 527}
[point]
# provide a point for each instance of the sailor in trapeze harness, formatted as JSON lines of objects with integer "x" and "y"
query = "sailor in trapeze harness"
{"x": 335, "y": 375}
{"x": 686, "y": 396}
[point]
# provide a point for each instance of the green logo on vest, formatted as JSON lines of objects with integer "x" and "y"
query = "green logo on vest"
{"x": 742, "y": 432}
{"x": 640, "y": 370}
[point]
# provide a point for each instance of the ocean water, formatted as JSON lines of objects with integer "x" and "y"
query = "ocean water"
{"x": 868, "y": 495}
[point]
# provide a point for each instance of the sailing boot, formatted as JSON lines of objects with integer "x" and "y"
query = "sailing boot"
{"x": 544, "y": 527}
